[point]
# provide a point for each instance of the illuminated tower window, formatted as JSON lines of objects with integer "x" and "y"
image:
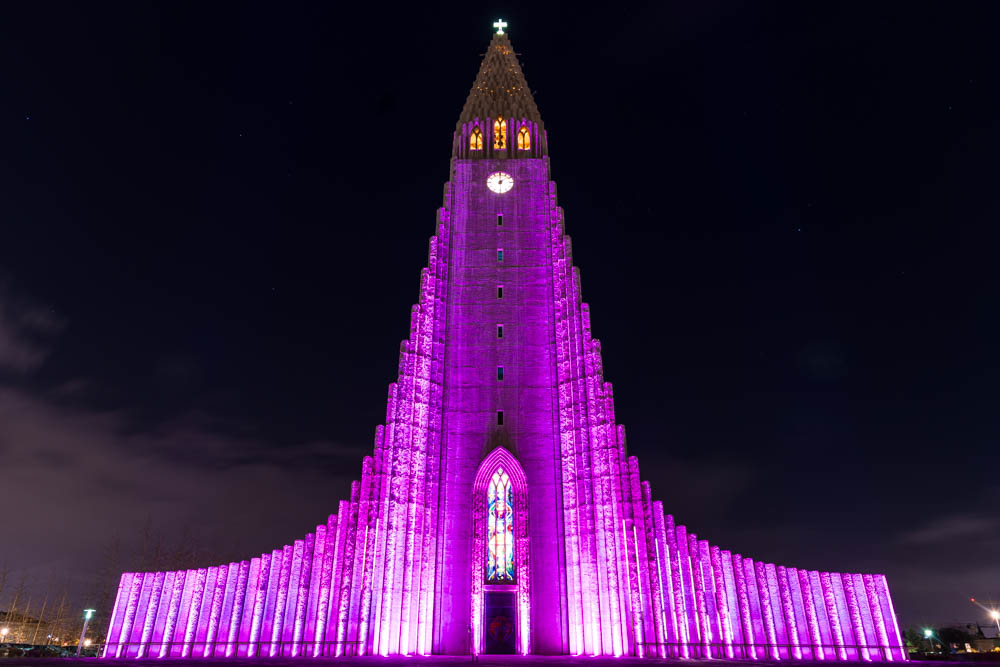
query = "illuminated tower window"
{"x": 500, "y": 529}
{"x": 499, "y": 132}
{"x": 523, "y": 139}
{"x": 499, "y": 373}
{"x": 476, "y": 140}
{"x": 499, "y": 331}
{"x": 499, "y": 254}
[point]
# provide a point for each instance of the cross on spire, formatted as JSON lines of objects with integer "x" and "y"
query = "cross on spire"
{"x": 499, "y": 24}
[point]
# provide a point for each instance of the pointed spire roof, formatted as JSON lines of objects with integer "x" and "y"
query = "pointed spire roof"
{"x": 500, "y": 88}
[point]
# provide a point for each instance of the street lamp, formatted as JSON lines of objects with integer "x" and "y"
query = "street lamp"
{"x": 928, "y": 634}
{"x": 3, "y": 634}
{"x": 87, "y": 615}
{"x": 996, "y": 618}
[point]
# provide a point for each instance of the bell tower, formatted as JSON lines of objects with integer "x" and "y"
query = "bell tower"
{"x": 499, "y": 392}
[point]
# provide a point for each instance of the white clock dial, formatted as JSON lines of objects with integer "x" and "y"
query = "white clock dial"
{"x": 499, "y": 182}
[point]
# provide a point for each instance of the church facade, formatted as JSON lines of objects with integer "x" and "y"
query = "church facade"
{"x": 499, "y": 511}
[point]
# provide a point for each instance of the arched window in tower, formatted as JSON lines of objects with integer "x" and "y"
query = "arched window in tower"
{"x": 499, "y": 132}
{"x": 523, "y": 139}
{"x": 500, "y": 529}
{"x": 476, "y": 140}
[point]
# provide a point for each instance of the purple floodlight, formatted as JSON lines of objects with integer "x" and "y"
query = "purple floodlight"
{"x": 499, "y": 511}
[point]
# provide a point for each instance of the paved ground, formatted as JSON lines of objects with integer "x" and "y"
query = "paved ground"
{"x": 444, "y": 661}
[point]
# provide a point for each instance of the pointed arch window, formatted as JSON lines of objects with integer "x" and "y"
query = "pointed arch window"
{"x": 500, "y": 132}
{"x": 500, "y": 529}
{"x": 523, "y": 139}
{"x": 476, "y": 139}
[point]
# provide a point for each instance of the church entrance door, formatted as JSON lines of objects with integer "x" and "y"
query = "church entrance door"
{"x": 500, "y": 622}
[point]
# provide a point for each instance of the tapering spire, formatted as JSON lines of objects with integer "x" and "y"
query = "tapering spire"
{"x": 500, "y": 88}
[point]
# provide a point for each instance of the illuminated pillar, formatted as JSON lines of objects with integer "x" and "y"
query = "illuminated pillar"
{"x": 812, "y": 618}
{"x": 833, "y": 616}
{"x": 205, "y": 614}
{"x": 761, "y": 639}
{"x": 567, "y": 439}
{"x": 698, "y": 584}
{"x": 711, "y": 610}
{"x": 325, "y": 585}
{"x": 152, "y": 607}
{"x": 342, "y": 597}
{"x": 692, "y": 622}
{"x": 361, "y": 555}
{"x": 822, "y": 617}
{"x": 132, "y": 602}
{"x": 368, "y": 575}
{"x": 678, "y": 582}
{"x": 257, "y": 610}
{"x": 766, "y": 612}
{"x": 777, "y": 613}
{"x": 215, "y": 615}
{"x": 173, "y": 609}
{"x": 612, "y": 543}
{"x": 236, "y": 616}
{"x": 854, "y": 611}
{"x": 722, "y": 602}
{"x": 788, "y": 607}
{"x": 746, "y": 616}
{"x": 302, "y": 594}
{"x": 666, "y": 588}
{"x": 194, "y": 609}
{"x": 878, "y": 618}
{"x": 844, "y": 617}
{"x": 315, "y": 584}
{"x": 896, "y": 650}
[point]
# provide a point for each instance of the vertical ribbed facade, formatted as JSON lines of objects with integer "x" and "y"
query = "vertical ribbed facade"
{"x": 500, "y": 372}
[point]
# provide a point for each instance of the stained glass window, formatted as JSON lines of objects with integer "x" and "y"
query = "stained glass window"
{"x": 500, "y": 529}
{"x": 524, "y": 139}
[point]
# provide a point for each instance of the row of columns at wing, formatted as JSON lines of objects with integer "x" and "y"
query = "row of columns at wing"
{"x": 363, "y": 583}
{"x": 275, "y": 604}
{"x": 638, "y": 585}
{"x": 720, "y": 605}
{"x": 609, "y": 607}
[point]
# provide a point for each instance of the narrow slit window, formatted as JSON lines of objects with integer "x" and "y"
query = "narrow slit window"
{"x": 500, "y": 220}
{"x": 499, "y": 291}
{"x": 499, "y": 373}
{"x": 499, "y": 331}
{"x": 499, "y": 254}
{"x": 499, "y": 417}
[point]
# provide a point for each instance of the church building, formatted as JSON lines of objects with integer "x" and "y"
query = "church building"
{"x": 499, "y": 511}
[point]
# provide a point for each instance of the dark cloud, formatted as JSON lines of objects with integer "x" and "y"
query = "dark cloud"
{"x": 74, "y": 478}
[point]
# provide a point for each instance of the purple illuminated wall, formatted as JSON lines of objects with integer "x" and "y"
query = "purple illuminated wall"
{"x": 600, "y": 568}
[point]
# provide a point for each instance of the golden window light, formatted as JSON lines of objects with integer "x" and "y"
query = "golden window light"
{"x": 524, "y": 139}
{"x": 499, "y": 132}
{"x": 476, "y": 140}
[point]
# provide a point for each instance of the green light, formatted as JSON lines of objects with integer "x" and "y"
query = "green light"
{"x": 88, "y": 613}
{"x": 928, "y": 633}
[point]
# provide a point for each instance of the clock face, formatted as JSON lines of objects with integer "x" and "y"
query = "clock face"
{"x": 499, "y": 182}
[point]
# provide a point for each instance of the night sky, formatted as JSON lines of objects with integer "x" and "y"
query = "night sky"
{"x": 785, "y": 215}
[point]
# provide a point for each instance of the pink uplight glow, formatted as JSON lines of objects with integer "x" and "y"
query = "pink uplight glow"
{"x": 500, "y": 512}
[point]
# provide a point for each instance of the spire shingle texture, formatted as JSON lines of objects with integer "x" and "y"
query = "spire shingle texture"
{"x": 500, "y": 88}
